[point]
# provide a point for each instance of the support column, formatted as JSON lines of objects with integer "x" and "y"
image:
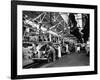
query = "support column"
{"x": 38, "y": 54}
{"x": 50, "y": 37}
{"x": 38, "y": 51}
{"x": 67, "y": 50}
{"x": 59, "y": 51}
{"x": 63, "y": 40}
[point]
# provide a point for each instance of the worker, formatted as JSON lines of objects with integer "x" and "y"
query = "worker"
{"x": 78, "y": 48}
{"x": 51, "y": 52}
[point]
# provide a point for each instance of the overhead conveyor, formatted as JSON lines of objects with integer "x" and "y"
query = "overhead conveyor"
{"x": 59, "y": 21}
{"x": 40, "y": 19}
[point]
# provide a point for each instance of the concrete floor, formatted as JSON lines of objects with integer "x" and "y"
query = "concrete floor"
{"x": 73, "y": 59}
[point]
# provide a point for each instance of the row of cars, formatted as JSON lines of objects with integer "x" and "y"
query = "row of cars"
{"x": 38, "y": 52}
{"x": 49, "y": 51}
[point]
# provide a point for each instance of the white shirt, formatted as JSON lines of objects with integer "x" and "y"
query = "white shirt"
{"x": 78, "y": 48}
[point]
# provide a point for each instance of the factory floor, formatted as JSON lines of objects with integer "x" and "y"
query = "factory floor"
{"x": 73, "y": 59}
